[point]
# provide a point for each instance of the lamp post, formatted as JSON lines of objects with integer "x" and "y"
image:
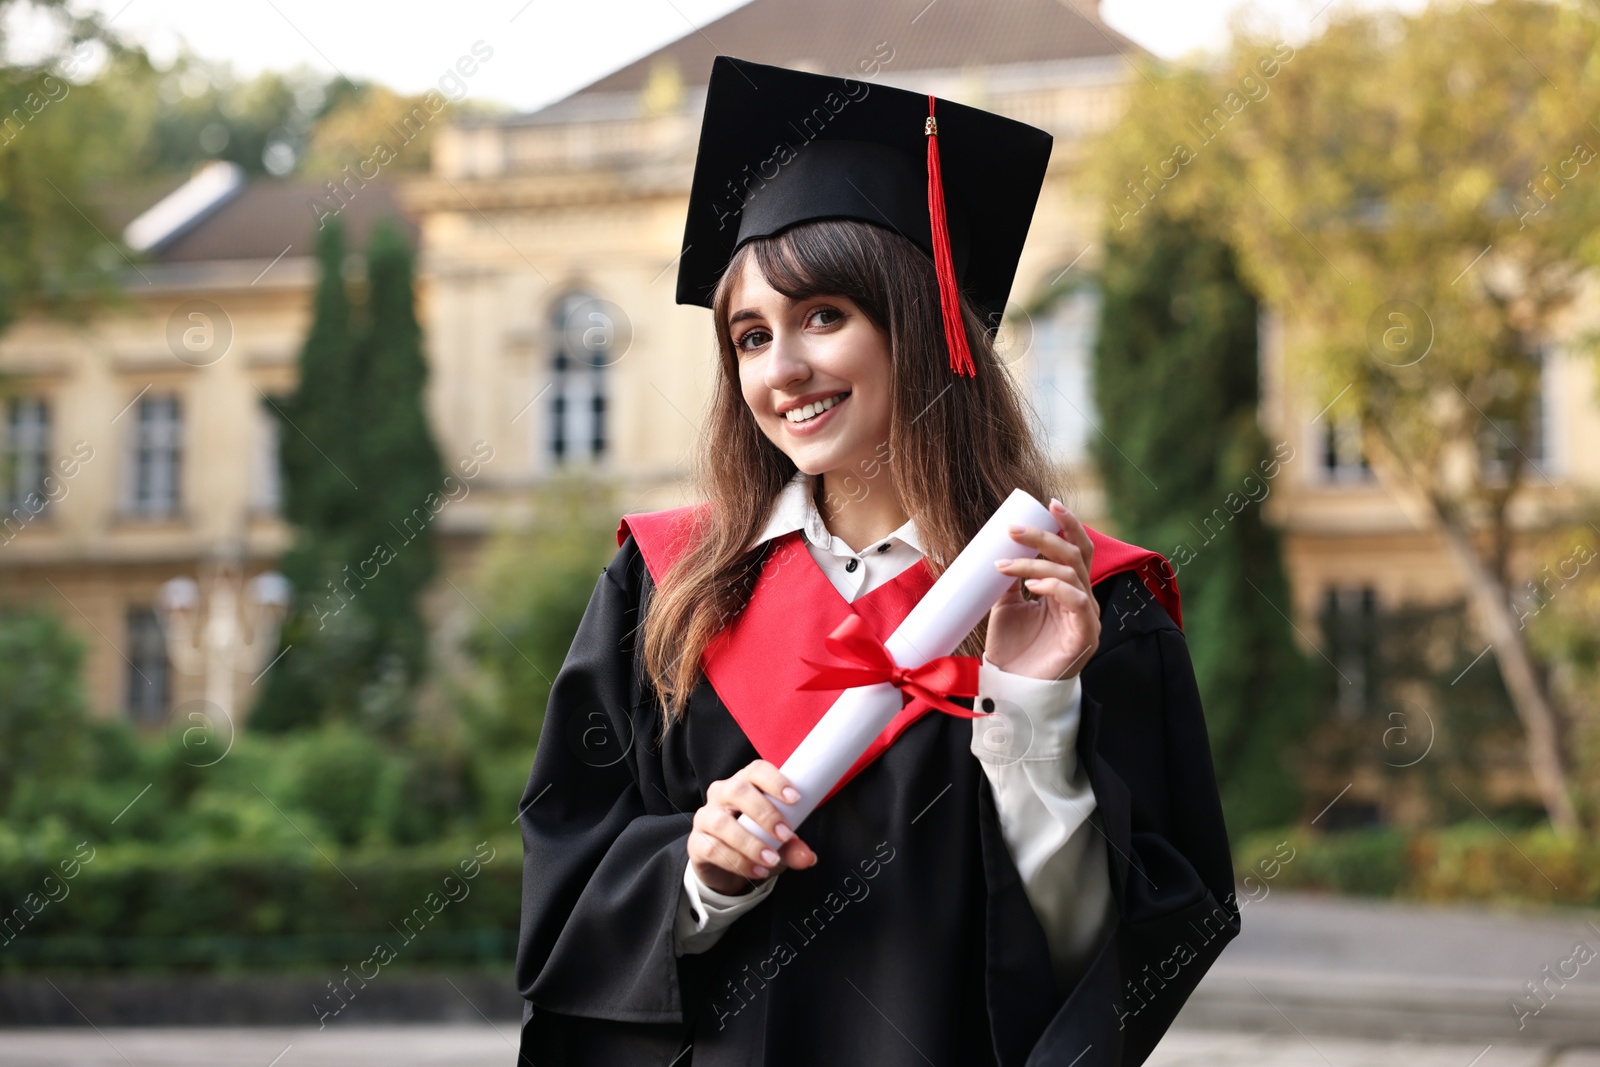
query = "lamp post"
{"x": 240, "y": 628}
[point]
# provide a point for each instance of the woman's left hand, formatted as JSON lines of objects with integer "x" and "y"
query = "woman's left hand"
{"x": 1053, "y": 636}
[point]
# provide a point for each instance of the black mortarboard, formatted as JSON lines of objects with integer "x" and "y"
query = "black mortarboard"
{"x": 779, "y": 147}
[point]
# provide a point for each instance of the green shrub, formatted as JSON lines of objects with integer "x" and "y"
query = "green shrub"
{"x": 213, "y": 906}
{"x": 345, "y": 779}
{"x": 1467, "y": 861}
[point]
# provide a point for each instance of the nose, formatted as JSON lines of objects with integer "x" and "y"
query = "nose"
{"x": 786, "y": 362}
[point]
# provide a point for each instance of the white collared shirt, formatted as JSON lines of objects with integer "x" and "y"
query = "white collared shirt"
{"x": 1027, "y": 749}
{"x": 853, "y": 573}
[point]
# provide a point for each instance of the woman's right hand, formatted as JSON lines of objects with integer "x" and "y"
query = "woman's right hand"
{"x": 728, "y": 858}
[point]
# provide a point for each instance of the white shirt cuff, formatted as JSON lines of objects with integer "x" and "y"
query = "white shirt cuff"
{"x": 704, "y": 913}
{"x": 1035, "y": 719}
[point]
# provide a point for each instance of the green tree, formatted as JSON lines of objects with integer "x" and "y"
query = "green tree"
{"x": 527, "y": 599}
{"x": 149, "y": 126}
{"x": 42, "y": 708}
{"x": 322, "y": 647}
{"x": 52, "y": 254}
{"x": 1420, "y": 194}
{"x": 1175, "y": 383}
{"x": 402, "y": 476}
{"x": 363, "y": 482}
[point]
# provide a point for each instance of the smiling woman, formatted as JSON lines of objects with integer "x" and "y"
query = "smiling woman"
{"x": 1045, "y": 853}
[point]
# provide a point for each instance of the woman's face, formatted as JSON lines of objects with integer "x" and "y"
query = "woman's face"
{"x": 820, "y": 356}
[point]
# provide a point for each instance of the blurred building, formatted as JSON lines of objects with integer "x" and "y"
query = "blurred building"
{"x": 144, "y": 432}
{"x": 549, "y": 244}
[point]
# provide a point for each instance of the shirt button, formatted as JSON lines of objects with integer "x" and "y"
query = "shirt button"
{"x": 884, "y": 547}
{"x": 850, "y": 565}
{"x": 988, "y": 703}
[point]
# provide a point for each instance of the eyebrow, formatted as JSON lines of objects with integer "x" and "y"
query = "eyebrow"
{"x": 742, "y": 314}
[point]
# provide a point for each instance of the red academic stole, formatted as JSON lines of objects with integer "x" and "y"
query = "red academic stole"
{"x": 755, "y": 663}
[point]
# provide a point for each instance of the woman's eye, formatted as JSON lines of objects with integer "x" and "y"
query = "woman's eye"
{"x": 758, "y": 335}
{"x": 828, "y": 316}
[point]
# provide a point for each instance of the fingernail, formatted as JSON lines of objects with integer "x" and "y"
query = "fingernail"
{"x": 784, "y": 833}
{"x": 791, "y": 794}
{"x": 758, "y": 871}
{"x": 1058, "y": 503}
{"x": 769, "y": 856}
{"x": 1000, "y": 564}
{"x": 1015, "y": 528}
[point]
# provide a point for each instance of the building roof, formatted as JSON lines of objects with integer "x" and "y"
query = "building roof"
{"x": 836, "y": 36}
{"x": 206, "y": 220}
{"x": 267, "y": 218}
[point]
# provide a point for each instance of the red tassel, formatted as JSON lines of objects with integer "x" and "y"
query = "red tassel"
{"x": 955, "y": 332}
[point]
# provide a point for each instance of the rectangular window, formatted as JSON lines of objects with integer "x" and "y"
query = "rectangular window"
{"x": 1505, "y": 441}
{"x": 25, "y": 454}
{"x": 155, "y": 460}
{"x": 577, "y": 410}
{"x": 577, "y": 429}
{"x": 1350, "y": 629}
{"x": 148, "y": 678}
{"x": 1063, "y": 348}
{"x": 266, "y": 488}
{"x": 1343, "y": 459}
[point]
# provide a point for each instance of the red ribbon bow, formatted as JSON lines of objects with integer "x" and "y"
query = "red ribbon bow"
{"x": 870, "y": 664}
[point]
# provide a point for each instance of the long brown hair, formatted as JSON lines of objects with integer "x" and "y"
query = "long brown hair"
{"x": 957, "y": 445}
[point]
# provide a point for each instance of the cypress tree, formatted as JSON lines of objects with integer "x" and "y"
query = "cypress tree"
{"x": 318, "y": 647}
{"x": 402, "y": 476}
{"x": 358, "y": 461}
{"x": 1176, "y": 385}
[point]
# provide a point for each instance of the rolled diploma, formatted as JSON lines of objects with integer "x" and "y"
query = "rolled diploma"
{"x": 947, "y": 612}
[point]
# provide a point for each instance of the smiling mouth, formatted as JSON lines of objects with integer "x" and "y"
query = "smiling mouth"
{"x": 811, "y": 411}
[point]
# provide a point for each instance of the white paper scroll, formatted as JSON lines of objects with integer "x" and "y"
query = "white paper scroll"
{"x": 947, "y": 612}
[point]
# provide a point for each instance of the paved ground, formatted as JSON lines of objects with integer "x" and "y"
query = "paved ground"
{"x": 391, "y": 1046}
{"x": 1372, "y": 969}
{"x": 1420, "y": 941}
{"x": 481, "y": 1046}
{"x": 1198, "y": 1048}
{"x": 1312, "y": 982}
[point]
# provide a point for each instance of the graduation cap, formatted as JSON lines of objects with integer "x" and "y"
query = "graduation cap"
{"x": 780, "y": 147}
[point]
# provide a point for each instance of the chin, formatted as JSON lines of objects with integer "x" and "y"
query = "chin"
{"x": 813, "y": 466}
{"x": 812, "y": 459}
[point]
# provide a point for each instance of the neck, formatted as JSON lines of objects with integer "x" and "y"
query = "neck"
{"x": 859, "y": 510}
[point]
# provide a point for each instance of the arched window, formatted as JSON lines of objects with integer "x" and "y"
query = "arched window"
{"x": 582, "y": 335}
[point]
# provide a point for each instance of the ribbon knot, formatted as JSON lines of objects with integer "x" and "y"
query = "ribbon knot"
{"x": 868, "y": 662}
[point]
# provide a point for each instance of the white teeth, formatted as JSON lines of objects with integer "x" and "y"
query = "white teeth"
{"x": 801, "y": 414}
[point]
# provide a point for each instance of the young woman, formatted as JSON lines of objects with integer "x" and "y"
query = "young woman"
{"x": 1042, "y": 884}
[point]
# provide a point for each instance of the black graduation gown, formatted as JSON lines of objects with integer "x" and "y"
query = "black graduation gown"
{"x": 911, "y": 941}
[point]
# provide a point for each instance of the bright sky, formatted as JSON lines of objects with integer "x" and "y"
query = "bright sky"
{"x": 544, "y": 49}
